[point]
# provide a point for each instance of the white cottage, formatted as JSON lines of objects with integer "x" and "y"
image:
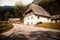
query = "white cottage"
{"x": 35, "y": 14}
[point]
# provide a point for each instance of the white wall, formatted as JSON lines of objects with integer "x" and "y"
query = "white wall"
{"x": 35, "y": 19}
{"x": 29, "y": 20}
{"x": 43, "y": 19}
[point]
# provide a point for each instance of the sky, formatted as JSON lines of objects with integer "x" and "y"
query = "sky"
{"x": 12, "y": 2}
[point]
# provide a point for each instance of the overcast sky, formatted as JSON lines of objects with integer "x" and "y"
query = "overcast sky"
{"x": 12, "y": 2}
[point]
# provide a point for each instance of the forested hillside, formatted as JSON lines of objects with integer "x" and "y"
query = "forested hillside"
{"x": 53, "y": 7}
{"x": 6, "y": 12}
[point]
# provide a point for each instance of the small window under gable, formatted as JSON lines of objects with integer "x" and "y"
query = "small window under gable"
{"x": 38, "y": 17}
{"x": 47, "y": 18}
{"x": 31, "y": 17}
{"x": 31, "y": 22}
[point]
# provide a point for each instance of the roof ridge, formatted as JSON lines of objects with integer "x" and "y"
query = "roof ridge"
{"x": 38, "y": 10}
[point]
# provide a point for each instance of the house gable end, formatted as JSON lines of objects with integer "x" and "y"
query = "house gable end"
{"x": 38, "y": 10}
{"x": 28, "y": 11}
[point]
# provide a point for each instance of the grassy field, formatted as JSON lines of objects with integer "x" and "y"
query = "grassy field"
{"x": 4, "y": 26}
{"x": 49, "y": 25}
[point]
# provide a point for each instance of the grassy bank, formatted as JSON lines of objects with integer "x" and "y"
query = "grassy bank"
{"x": 4, "y": 26}
{"x": 49, "y": 25}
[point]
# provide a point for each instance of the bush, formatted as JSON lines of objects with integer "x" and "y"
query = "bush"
{"x": 5, "y": 26}
{"x": 39, "y": 23}
{"x": 3, "y": 22}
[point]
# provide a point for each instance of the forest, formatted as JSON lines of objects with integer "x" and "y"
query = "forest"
{"x": 17, "y": 11}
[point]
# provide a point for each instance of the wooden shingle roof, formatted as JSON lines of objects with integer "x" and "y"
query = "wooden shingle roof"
{"x": 55, "y": 16}
{"x": 38, "y": 10}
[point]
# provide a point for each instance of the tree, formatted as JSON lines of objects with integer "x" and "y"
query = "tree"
{"x": 19, "y": 11}
{"x": 51, "y": 6}
{"x": 8, "y": 15}
{"x": 41, "y": 1}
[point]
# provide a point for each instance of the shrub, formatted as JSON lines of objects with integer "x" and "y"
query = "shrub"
{"x": 39, "y": 23}
{"x": 5, "y": 26}
{"x": 3, "y": 22}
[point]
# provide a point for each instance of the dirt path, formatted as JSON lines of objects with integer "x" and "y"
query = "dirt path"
{"x": 25, "y": 32}
{"x": 30, "y": 28}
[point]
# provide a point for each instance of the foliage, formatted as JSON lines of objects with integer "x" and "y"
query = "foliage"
{"x": 5, "y": 10}
{"x": 41, "y": 1}
{"x": 7, "y": 15}
{"x": 19, "y": 11}
{"x": 39, "y": 23}
{"x": 3, "y": 22}
{"x": 4, "y": 26}
{"x": 16, "y": 12}
{"x": 52, "y": 6}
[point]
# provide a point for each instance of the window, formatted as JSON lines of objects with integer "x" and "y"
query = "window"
{"x": 38, "y": 17}
{"x": 31, "y": 22}
{"x": 47, "y": 18}
{"x": 27, "y": 23}
{"x": 31, "y": 17}
{"x": 28, "y": 18}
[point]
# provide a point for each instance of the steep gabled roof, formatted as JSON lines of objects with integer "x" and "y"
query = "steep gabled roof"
{"x": 38, "y": 10}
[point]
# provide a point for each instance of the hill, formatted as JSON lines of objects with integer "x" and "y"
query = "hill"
{"x": 4, "y": 9}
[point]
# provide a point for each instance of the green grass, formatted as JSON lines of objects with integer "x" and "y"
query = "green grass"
{"x": 50, "y": 25}
{"x": 4, "y": 26}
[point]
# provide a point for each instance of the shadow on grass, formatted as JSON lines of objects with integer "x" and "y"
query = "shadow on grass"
{"x": 36, "y": 35}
